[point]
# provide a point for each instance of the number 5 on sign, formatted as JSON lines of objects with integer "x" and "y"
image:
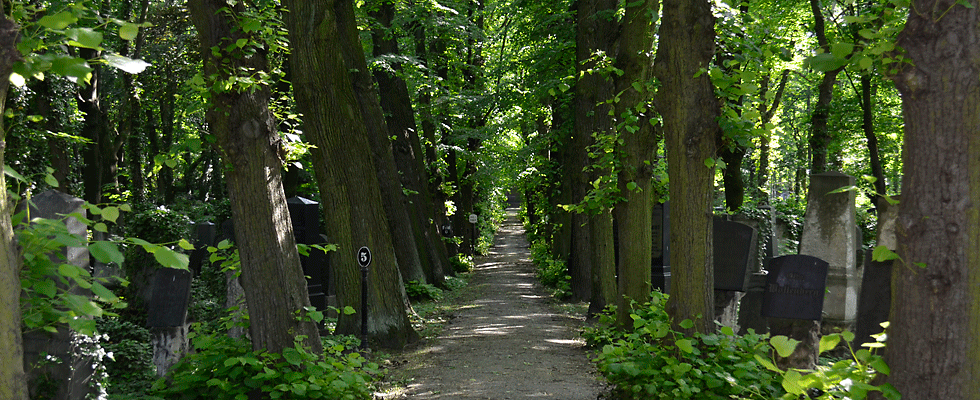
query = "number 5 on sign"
{"x": 363, "y": 257}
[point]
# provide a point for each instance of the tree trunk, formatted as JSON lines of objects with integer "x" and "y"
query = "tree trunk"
{"x": 767, "y": 113}
{"x": 690, "y": 112}
{"x": 638, "y": 151}
{"x": 820, "y": 135}
{"x": 594, "y": 33}
{"x": 407, "y": 148}
{"x": 933, "y": 346}
{"x": 867, "y": 108}
{"x": 273, "y": 280}
{"x": 392, "y": 196}
{"x": 346, "y": 176}
{"x": 13, "y": 381}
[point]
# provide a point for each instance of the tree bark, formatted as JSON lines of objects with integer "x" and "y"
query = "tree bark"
{"x": 820, "y": 135}
{"x": 595, "y": 33}
{"x": 273, "y": 280}
{"x": 346, "y": 176}
{"x": 690, "y": 111}
{"x": 638, "y": 151}
{"x": 13, "y": 381}
{"x": 934, "y": 338}
{"x": 407, "y": 148}
{"x": 393, "y": 198}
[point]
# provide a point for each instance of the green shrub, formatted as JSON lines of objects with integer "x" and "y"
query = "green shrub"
{"x": 552, "y": 273}
{"x": 222, "y": 367}
{"x": 462, "y": 263}
{"x": 655, "y": 362}
{"x": 131, "y": 370}
{"x": 422, "y": 291}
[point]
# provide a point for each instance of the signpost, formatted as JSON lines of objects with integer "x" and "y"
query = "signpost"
{"x": 473, "y": 218}
{"x": 364, "y": 260}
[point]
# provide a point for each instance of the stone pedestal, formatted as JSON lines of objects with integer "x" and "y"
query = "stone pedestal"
{"x": 829, "y": 232}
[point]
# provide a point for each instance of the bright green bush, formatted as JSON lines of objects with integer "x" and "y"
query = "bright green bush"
{"x": 655, "y": 362}
{"x": 221, "y": 367}
{"x": 552, "y": 273}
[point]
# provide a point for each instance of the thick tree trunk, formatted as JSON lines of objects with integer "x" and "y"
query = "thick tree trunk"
{"x": 392, "y": 196}
{"x": 934, "y": 338}
{"x": 407, "y": 148}
{"x": 690, "y": 112}
{"x": 346, "y": 175}
{"x": 595, "y": 33}
{"x": 638, "y": 150}
{"x": 275, "y": 288}
{"x": 867, "y": 108}
{"x": 13, "y": 381}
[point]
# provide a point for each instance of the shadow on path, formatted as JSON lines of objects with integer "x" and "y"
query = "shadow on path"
{"x": 507, "y": 342}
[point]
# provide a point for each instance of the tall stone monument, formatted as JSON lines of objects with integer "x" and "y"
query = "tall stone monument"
{"x": 829, "y": 233}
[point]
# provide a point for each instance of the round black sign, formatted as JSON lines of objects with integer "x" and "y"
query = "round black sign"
{"x": 363, "y": 257}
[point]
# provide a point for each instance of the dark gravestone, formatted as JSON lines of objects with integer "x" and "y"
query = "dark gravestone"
{"x": 305, "y": 217}
{"x": 170, "y": 295}
{"x": 875, "y": 300}
{"x": 205, "y": 234}
{"x": 795, "y": 288}
{"x": 71, "y": 376}
{"x": 734, "y": 246}
{"x": 660, "y": 268}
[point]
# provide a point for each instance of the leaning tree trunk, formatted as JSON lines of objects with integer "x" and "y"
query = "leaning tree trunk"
{"x": 934, "y": 338}
{"x": 407, "y": 148}
{"x": 638, "y": 149}
{"x": 13, "y": 381}
{"x": 346, "y": 176}
{"x": 273, "y": 280}
{"x": 690, "y": 112}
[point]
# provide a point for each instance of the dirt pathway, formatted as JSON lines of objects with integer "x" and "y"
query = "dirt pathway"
{"x": 507, "y": 341}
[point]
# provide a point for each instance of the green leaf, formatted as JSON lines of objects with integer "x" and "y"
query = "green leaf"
{"x": 69, "y": 271}
{"x": 7, "y": 170}
{"x": 72, "y": 67}
{"x": 631, "y": 186}
{"x": 125, "y": 63}
{"x": 686, "y": 324}
{"x": 106, "y": 252}
{"x": 879, "y": 365}
{"x": 685, "y": 345}
{"x": 101, "y": 227}
{"x": 58, "y": 21}
{"x": 791, "y": 382}
{"x": 348, "y": 310}
{"x": 825, "y": 62}
{"x": 81, "y": 305}
{"x": 110, "y": 213}
{"x": 841, "y": 50}
{"x": 103, "y": 293}
{"x": 171, "y": 259}
{"x": 865, "y": 62}
{"x": 292, "y": 356}
{"x": 783, "y": 345}
{"x": 128, "y": 31}
{"x": 883, "y": 253}
{"x": 727, "y": 331}
{"x": 828, "y": 343}
{"x": 85, "y": 37}
{"x": 184, "y": 244}
{"x": 50, "y": 180}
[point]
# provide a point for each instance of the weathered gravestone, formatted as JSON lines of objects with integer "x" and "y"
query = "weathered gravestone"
{"x": 170, "y": 292}
{"x": 733, "y": 246}
{"x": 660, "y": 268}
{"x": 876, "y": 291}
{"x": 829, "y": 232}
{"x": 793, "y": 301}
{"x": 795, "y": 288}
{"x": 72, "y": 375}
{"x": 305, "y": 217}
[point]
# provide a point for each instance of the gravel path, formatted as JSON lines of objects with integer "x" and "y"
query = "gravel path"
{"x": 506, "y": 342}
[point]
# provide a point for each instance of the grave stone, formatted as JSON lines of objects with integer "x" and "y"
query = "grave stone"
{"x": 660, "y": 269}
{"x": 305, "y": 217}
{"x": 750, "y": 306}
{"x": 876, "y": 291}
{"x": 73, "y": 375}
{"x": 734, "y": 248}
{"x": 795, "y": 288}
{"x": 205, "y": 234}
{"x": 170, "y": 292}
{"x": 829, "y": 232}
